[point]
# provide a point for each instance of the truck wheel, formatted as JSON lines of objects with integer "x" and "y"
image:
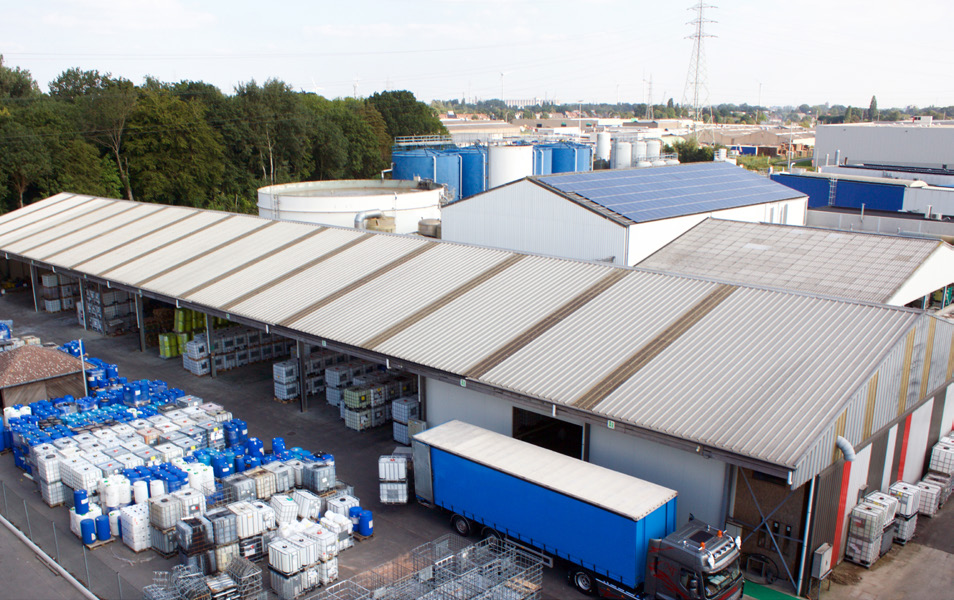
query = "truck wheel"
{"x": 583, "y": 582}
{"x": 489, "y": 533}
{"x": 461, "y": 525}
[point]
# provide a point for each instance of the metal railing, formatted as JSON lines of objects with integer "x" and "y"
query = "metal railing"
{"x": 65, "y": 548}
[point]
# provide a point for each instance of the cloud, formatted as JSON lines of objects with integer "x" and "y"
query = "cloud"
{"x": 120, "y": 17}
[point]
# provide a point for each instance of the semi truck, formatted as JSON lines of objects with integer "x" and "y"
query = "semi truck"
{"x": 616, "y": 535}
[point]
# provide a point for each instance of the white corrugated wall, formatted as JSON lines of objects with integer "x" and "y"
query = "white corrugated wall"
{"x": 524, "y": 216}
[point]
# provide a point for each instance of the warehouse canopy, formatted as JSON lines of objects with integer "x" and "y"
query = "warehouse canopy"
{"x": 863, "y": 266}
{"x": 640, "y": 195}
{"x": 31, "y": 373}
{"x": 757, "y": 376}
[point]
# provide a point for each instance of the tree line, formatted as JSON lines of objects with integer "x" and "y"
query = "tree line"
{"x": 188, "y": 143}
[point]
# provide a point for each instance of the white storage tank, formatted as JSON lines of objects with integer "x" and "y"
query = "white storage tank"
{"x": 622, "y": 154}
{"x": 509, "y": 163}
{"x": 604, "y": 145}
{"x": 639, "y": 150}
{"x": 653, "y": 148}
{"x": 339, "y": 202}
{"x": 643, "y": 164}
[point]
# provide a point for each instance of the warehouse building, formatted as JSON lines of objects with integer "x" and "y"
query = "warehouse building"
{"x": 886, "y": 194}
{"x": 886, "y": 269}
{"x": 918, "y": 144}
{"x": 619, "y": 216}
{"x": 746, "y": 400}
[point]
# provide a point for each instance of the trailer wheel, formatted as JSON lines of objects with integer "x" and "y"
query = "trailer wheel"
{"x": 583, "y": 581}
{"x": 489, "y": 533}
{"x": 461, "y": 525}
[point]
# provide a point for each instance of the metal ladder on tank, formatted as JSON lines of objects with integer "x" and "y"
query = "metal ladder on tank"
{"x": 832, "y": 190}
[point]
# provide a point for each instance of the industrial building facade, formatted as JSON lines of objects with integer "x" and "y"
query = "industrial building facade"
{"x": 733, "y": 395}
{"x": 618, "y": 216}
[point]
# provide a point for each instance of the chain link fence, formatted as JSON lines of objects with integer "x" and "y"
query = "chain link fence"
{"x": 65, "y": 548}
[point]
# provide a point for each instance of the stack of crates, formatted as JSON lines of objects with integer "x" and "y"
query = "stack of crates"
{"x": 224, "y": 536}
{"x": 367, "y": 403}
{"x": 194, "y": 537}
{"x": 909, "y": 501}
{"x": 232, "y": 347}
{"x": 59, "y": 292}
{"x": 866, "y": 525}
{"x": 393, "y": 478}
{"x": 110, "y": 311}
{"x": 402, "y": 411}
{"x": 285, "y": 375}
{"x": 341, "y": 376}
{"x": 890, "y": 505}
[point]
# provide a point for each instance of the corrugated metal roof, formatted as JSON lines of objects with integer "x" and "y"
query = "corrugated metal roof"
{"x": 641, "y": 195}
{"x": 863, "y": 266}
{"x": 689, "y": 358}
{"x": 612, "y": 490}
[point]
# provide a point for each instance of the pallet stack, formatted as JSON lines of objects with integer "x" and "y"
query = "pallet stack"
{"x": 394, "y": 479}
{"x": 59, "y": 292}
{"x": 232, "y": 347}
{"x": 316, "y": 362}
{"x": 866, "y": 524}
{"x": 367, "y": 403}
{"x": 909, "y": 501}
{"x": 403, "y": 410}
{"x": 110, "y": 311}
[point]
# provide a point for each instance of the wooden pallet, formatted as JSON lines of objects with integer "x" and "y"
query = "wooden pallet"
{"x": 360, "y": 538}
{"x": 288, "y": 401}
{"x": 99, "y": 543}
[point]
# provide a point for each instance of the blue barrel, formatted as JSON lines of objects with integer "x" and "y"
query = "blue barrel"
{"x": 88, "y": 530}
{"x": 252, "y": 461}
{"x": 584, "y": 158}
{"x": 242, "y": 430}
{"x": 355, "y": 514}
{"x": 222, "y": 467}
{"x": 365, "y": 523}
{"x": 278, "y": 445}
{"x": 102, "y": 528}
{"x": 81, "y": 502}
{"x": 255, "y": 447}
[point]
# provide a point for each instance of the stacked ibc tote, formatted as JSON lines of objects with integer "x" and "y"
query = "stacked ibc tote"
{"x": 394, "y": 478}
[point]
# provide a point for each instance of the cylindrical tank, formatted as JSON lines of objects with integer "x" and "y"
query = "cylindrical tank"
{"x": 365, "y": 523}
{"x": 653, "y": 147}
{"x": 509, "y": 163}
{"x": 542, "y": 159}
{"x": 88, "y": 530}
{"x": 584, "y": 158}
{"x": 114, "y": 523}
{"x": 278, "y": 444}
{"x": 81, "y": 502}
{"x": 355, "y": 514}
{"x": 102, "y": 528}
{"x": 622, "y": 154}
{"x": 429, "y": 228}
{"x": 564, "y": 158}
{"x": 604, "y": 145}
{"x": 338, "y": 202}
{"x": 639, "y": 150}
{"x": 157, "y": 488}
{"x": 643, "y": 164}
{"x": 416, "y": 162}
{"x": 141, "y": 491}
{"x": 473, "y": 178}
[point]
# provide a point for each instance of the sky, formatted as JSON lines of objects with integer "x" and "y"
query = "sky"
{"x": 779, "y": 53}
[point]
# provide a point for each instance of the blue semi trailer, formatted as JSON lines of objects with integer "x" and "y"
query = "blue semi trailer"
{"x": 615, "y": 534}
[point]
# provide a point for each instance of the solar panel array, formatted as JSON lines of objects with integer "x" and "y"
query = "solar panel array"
{"x": 664, "y": 192}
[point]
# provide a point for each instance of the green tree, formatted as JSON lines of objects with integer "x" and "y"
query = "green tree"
{"x": 379, "y": 128}
{"x": 24, "y": 158}
{"x": 873, "y": 109}
{"x": 849, "y": 115}
{"x": 16, "y": 83}
{"x": 404, "y": 115}
{"x": 175, "y": 157}
{"x": 104, "y": 118}
{"x": 74, "y": 83}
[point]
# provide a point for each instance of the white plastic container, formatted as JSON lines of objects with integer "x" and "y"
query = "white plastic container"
{"x": 909, "y": 497}
{"x": 942, "y": 458}
{"x": 135, "y": 526}
{"x": 392, "y": 468}
{"x": 248, "y": 520}
{"x": 906, "y": 528}
{"x": 889, "y": 503}
{"x": 141, "y": 491}
{"x": 308, "y": 548}
{"x": 867, "y": 521}
{"x": 284, "y": 557}
{"x": 930, "y": 496}
{"x": 328, "y": 571}
{"x": 327, "y": 542}
{"x": 164, "y": 511}
{"x": 394, "y": 492}
{"x": 309, "y": 504}
{"x": 342, "y": 504}
{"x": 862, "y": 551}
{"x": 286, "y": 509}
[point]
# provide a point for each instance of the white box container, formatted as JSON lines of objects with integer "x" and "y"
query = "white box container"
{"x": 284, "y": 557}
{"x": 309, "y": 504}
{"x": 942, "y": 458}
{"x": 404, "y": 409}
{"x": 286, "y": 509}
{"x": 164, "y": 511}
{"x": 862, "y": 551}
{"x": 887, "y": 502}
{"x": 327, "y": 544}
{"x": 930, "y": 496}
{"x": 248, "y": 521}
{"x": 308, "y": 548}
{"x": 267, "y": 514}
{"x": 393, "y": 492}
{"x": 866, "y": 521}
{"x": 328, "y": 571}
{"x": 392, "y": 468}
{"x": 342, "y": 504}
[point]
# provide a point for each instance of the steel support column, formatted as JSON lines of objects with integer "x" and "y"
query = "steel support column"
{"x": 35, "y": 287}
{"x": 140, "y": 321}
{"x": 301, "y": 349}
{"x": 764, "y": 523}
{"x": 208, "y": 337}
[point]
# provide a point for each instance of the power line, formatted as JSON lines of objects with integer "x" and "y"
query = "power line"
{"x": 697, "y": 85}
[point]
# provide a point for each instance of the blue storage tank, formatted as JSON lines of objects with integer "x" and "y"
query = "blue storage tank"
{"x": 88, "y": 530}
{"x": 354, "y": 513}
{"x": 564, "y": 158}
{"x": 584, "y": 158}
{"x": 473, "y": 178}
{"x": 81, "y": 502}
{"x": 542, "y": 159}
{"x": 440, "y": 166}
{"x": 102, "y": 528}
{"x": 365, "y": 523}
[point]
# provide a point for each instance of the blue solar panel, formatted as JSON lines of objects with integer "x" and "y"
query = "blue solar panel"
{"x": 663, "y": 192}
